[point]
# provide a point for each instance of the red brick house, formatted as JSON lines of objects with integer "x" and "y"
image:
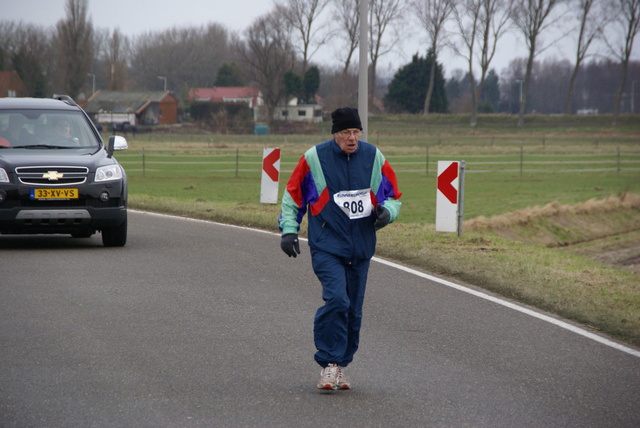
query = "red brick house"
{"x": 11, "y": 85}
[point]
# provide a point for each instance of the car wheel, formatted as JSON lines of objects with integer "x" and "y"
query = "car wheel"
{"x": 115, "y": 236}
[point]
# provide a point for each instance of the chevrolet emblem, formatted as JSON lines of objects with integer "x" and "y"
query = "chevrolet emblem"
{"x": 52, "y": 175}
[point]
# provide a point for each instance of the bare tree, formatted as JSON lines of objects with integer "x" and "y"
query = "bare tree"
{"x": 302, "y": 16}
{"x": 433, "y": 16}
{"x": 549, "y": 85}
{"x": 591, "y": 24}
{"x": 116, "y": 51}
{"x": 383, "y": 15}
{"x": 267, "y": 55}
{"x": 531, "y": 17}
{"x": 346, "y": 21}
{"x": 347, "y": 17}
{"x": 338, "y": 88}
{"x": 597, "y": 81}
{"x": 110, "y": 67}
{"x": 75, "y": 47}
{"x": 7, "y": 41}
{"x": 481, "y": 24}
{"x": 26, "y": 49}
{"x": 188, "y": 57}
{"x": 626, "y": 27}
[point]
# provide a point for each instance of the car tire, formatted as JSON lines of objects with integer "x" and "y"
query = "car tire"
{"x": 115, "y": 236}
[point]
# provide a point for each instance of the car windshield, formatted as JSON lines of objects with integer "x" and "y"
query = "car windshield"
{"x": 46, "y": 129}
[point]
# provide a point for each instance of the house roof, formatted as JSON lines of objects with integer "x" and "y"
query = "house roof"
{"x": 125, "y": 102}
{"x": 224, "y": 93}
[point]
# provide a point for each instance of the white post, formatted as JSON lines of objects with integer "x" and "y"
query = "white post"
{"x": 363, "y": 75}
{"x": 447, "y": 196}
{"x": 270, "y": 176}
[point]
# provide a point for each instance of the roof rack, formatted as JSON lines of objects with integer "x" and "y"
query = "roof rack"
{"x": 66, "y": 98}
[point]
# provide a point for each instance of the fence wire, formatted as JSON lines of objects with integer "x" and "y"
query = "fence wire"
{"x": 248, "y": 161}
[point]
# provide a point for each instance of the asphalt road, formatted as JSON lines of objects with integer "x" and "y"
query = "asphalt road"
{"x": 195, "y": 324}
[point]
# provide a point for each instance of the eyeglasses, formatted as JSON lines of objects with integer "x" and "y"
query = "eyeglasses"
{"x": 346, "y": 134}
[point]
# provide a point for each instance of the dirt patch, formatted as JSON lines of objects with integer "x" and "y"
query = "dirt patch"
{"x": 626, "y": 258}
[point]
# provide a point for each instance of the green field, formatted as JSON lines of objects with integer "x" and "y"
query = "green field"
{"x": 495, "y": 182}
{"x": 564, "y": 161}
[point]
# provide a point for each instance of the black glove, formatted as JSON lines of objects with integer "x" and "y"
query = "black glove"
{"x": 383, "y": 217}
{"x": 290, "y": 245}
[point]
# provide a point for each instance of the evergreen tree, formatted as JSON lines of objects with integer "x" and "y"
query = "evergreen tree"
{"x": 490, "y": 97}
{"x": 229, "y": 75}
{"x": 407, "y": 91}
{"x": 292, "y": 84}
{"x": 310, "y": 84}
{"x": 454, "y": 87}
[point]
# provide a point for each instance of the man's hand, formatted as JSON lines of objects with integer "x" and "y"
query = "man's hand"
{"x": 290, "y": 245}
{"x": 383, "y": 217}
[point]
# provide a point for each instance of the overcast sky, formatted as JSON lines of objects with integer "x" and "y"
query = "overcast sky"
{"x": 134, "y": 17}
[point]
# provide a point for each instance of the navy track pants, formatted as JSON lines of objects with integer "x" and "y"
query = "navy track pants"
{"x": 336, "y": 328}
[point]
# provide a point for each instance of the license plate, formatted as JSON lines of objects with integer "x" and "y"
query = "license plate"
{"x": 54, "y": 193}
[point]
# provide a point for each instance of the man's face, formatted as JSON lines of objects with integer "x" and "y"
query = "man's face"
{"x": 348, "y": 139}
{"x": 61, "y": 128}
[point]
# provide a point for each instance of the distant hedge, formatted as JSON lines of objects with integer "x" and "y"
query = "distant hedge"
{"x": 223, "y": 117}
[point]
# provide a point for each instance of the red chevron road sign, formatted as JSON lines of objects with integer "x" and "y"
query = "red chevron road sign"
{"x": 268, "y": 164}
{"x": 444, "y": 182}
{"x": 270, "y": 176}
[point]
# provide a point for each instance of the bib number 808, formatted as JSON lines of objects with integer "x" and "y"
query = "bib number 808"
{"x": 355, "y": 207}
{"x": 354, "y": 203}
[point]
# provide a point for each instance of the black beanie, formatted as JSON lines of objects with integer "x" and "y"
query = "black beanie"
{"x": 345, "y": 118}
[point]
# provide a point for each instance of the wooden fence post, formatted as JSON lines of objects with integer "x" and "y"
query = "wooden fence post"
{"x": 237, "y": 161}
{"x": 427, "y": 164}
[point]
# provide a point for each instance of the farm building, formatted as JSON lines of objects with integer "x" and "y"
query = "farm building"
{"x": 298, "y": 112}
{"x": 133, "y": 108}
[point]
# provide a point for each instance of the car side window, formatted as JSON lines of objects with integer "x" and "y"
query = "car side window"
{"x": 15, "y": 130}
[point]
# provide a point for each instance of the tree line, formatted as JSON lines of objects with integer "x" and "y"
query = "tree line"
{"x": 276, "y": 54}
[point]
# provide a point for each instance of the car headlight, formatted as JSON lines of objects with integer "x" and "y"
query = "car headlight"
{"x": 4, "y": 178}
{"x": 108, "y": 173}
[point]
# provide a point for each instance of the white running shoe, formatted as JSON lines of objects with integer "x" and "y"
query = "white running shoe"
{"x": 341, "y": 381}
{"x": 328, "y": 377}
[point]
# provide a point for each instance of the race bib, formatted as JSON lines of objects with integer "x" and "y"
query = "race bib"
{"x": 354, "y": 203}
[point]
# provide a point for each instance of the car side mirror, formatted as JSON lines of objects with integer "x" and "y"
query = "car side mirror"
{"x": 116, "y": 142}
